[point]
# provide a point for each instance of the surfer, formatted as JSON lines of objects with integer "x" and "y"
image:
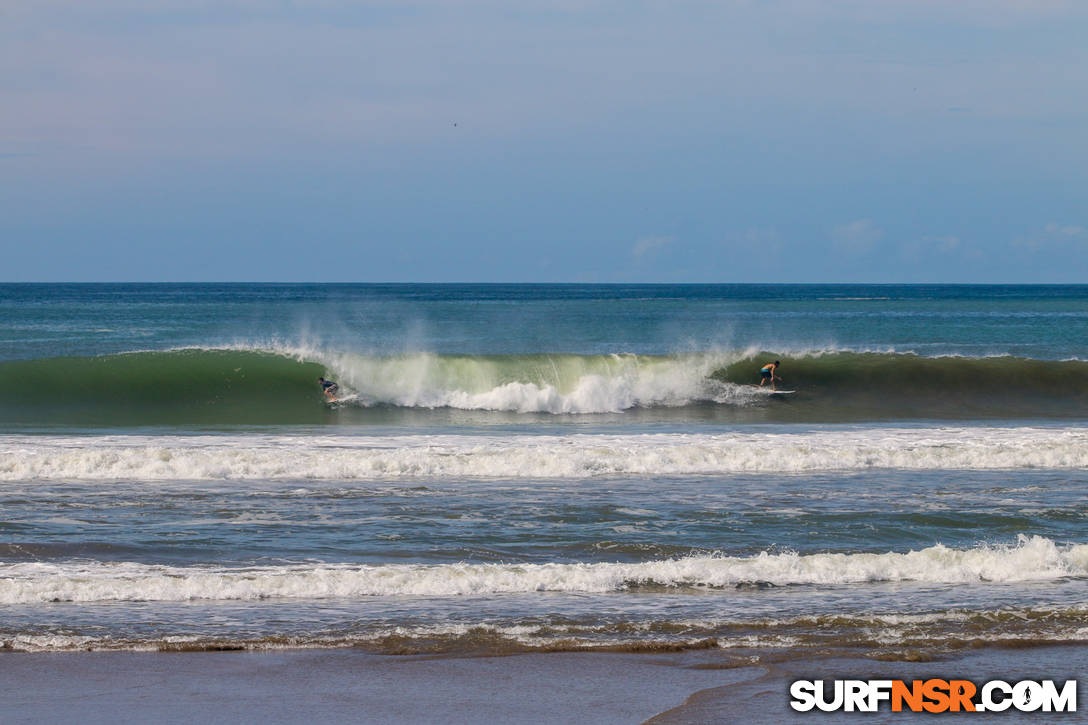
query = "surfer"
{"x": 767, "y": 372}
{"x": 329, "y": 388}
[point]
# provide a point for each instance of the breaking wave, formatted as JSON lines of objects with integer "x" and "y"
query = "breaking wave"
{"x": 1031, "y": 559}
{"x": 248, "y": 385}
{"x": 367, "y": 458}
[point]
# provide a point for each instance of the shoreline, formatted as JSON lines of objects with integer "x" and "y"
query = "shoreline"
{"x": 291, "y": 686}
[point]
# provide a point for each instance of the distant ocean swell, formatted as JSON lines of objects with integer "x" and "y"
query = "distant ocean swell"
{"x": 368, "y": 458}
{"x": 1031, "y": 559}
{"x": 252, "y": 386}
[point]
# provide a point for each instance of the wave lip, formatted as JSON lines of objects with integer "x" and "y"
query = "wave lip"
{"x": 1034, "y": 559}
{"x": 367, "y": 458}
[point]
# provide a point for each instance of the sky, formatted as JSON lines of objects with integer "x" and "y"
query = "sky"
{"x": 544, "y": 141}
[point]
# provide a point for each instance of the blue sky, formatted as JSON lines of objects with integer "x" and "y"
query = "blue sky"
{"x": 438, "y": 140}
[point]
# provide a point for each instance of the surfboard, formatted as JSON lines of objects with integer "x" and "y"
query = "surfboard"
{"x": 768, "y": 391}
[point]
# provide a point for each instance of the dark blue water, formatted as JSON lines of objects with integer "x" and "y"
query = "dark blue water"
{"x": 1041, "y": 322}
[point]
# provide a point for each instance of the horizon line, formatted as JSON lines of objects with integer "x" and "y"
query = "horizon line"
{"x": 549, "y": 283}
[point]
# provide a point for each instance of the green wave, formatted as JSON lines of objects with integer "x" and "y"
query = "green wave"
{"x": 149, "y": 388}
{"x": 908, "y": 385}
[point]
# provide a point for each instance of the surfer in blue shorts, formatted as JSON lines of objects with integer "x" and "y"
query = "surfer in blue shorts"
{"x": 329, "y": 388}
{"x": 767, "y": 372}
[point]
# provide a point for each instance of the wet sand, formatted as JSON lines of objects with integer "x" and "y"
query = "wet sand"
{"x": 765, "y": 699}
{"x": 346, "y": 686}
{"x": 354, "y": 686}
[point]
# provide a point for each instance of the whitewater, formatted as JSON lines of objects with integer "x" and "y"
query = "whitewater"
{"x": 365, "y": 458}
{"x": 1034, "y": 559}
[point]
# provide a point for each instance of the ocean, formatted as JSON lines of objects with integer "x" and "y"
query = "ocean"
{"x": 518, "y": 468}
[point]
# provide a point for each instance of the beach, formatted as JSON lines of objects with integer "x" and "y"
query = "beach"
{"x": 351, "y": 686}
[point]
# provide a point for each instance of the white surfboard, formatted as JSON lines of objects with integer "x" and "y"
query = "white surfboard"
{"x": 768, "y": 391}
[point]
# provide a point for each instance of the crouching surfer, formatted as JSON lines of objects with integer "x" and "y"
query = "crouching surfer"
{"x": 329, "y": 388}
{"x": 769, "y": 372}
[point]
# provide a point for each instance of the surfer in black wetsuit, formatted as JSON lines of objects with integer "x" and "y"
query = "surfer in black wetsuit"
{"x": 329, "y": 388}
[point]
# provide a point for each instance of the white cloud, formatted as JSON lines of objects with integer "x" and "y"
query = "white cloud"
{"x": 1065, "y": 230}
{"x": 646, "y": 245}
{"x": 946, "y": 243}
{"x": 1051, "y": 235}
{"x": 857, "y": 236}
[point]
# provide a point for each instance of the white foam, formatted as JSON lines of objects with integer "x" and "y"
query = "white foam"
{"x": 536, "y": 384}
{"x": 50, "y": 642}
{"x": 544, "y": 383}
{"x": 1031, "y": 559}
{"x": 362, "y": 458}
{"x": 883, "y": 628}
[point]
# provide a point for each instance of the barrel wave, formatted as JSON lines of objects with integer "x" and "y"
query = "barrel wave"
{"x": 254, "y": 386}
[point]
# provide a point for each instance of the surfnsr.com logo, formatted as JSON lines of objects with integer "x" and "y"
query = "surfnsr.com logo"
{"x": 933, "y": 695}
